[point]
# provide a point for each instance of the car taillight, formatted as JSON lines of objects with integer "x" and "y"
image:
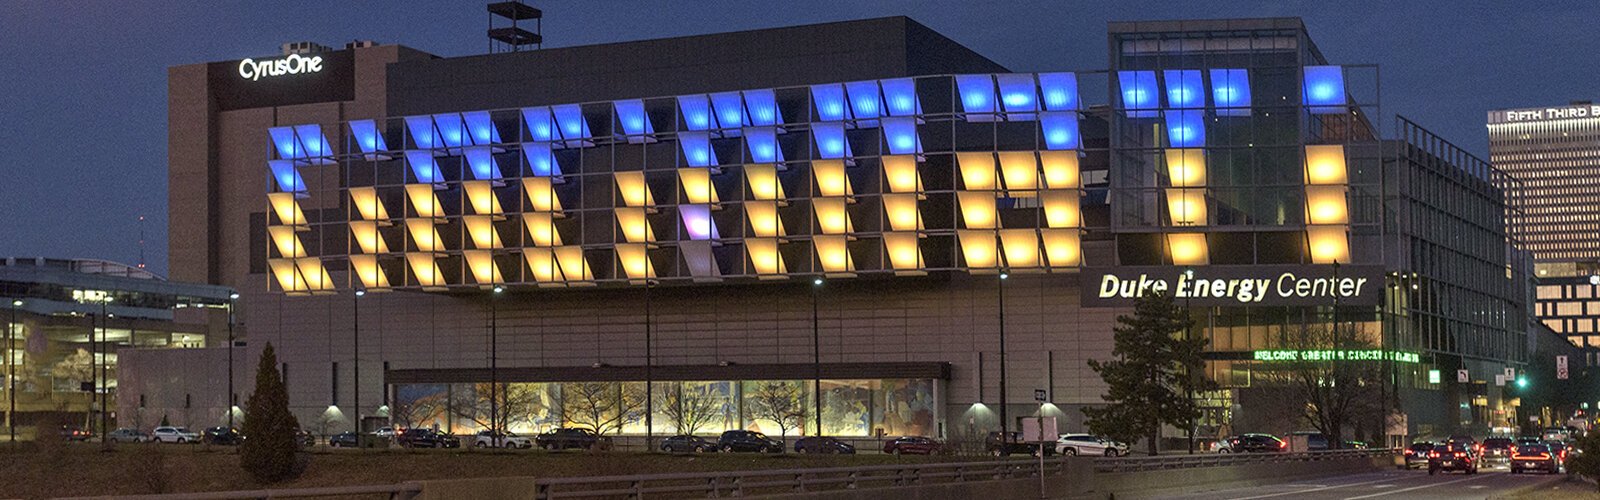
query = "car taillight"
{"x": 1433, "y": 454}
{"x": 1460, "y": 454}
{"x": 1283, "y": 444}
{"x": 1408, "y": 453}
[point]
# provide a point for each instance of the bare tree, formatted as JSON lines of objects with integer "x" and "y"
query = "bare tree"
{"x": 428, "y": 408}
{"x": 602, "y": 406}
{"x": 78, "y": 367}
{"x": 782, "y": 402}
{"x": 689, "y": 408}
{"x": 1338, "y": 392}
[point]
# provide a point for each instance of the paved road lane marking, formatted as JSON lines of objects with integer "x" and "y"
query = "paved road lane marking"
{"x": 1413, "y": 488}
{"x": 1319, "y": 488}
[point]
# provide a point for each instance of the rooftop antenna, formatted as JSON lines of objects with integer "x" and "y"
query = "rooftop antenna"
{"x": 141, "y": 242}
{"x": 513, "y": 38}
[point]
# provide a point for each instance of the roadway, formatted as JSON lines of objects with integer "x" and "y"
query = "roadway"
{"x": 1389, "y": 484}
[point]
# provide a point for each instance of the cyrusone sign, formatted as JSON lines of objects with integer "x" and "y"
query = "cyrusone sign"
{"x": 294, "y": 64}
{"x": 1308, "y": 285}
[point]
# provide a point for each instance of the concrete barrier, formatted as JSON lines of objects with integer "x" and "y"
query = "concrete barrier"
{"x": 488, "y": 488}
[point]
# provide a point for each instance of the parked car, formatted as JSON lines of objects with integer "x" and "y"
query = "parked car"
{"x": 572, "y": 437}
{"x": 685, "y": 443}
{"x": 427, "y": 438}
{"x": 748, "y": 441}
{"x": 127, "y": 435}
{"x": 1315, "y": 441}
{"x": 1252, "y": 443}
{"x": 1354, "y": 445}
{"x": 167, "y": 434}
{"x": 487, "y": 439}
{"x": 344, "y": 440}
{"x": 221, "y": 436}
{"x": 384, "y": 432}
{"x": 1498, "y": 449}
{"x": 1535, "y": 456}
{"x": 1085, "y": 444}
{"x": 1417, "y": 455}
{"x": 1559, "y": 449}
{"x": 1453, "y": 456}
{"x": 995, "y": 445}
{"x": 911, "y": 445}
{"x": 305, "y": 438}
{"x": 823, "y": 444}
{"x": 70, "y": 433}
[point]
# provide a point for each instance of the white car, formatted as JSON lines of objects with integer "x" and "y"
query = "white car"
{"x": 384, "y": 432}
{"x": 1087, "y": 445}
{"x": 174, "y": 435}
{"x": 485, "y": 439}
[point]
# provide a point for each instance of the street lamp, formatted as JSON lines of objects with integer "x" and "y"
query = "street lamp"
{"x": 816, "y": 355}
{"x": 11, "y": 371}
{"x": 1000, "y": 292}
{"x": 355, "y": 342}
{"x": 232, "y": 298}
{"x": 105, "y": 370}
{"x": 649, "y": 376}
{"x": 494, "y": 364}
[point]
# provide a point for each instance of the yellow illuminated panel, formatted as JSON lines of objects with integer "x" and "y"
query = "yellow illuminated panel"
{"x": 573, "y": 265}
{"x": 764, "y": 256}
{"x": 901, "y": 172}
{"x": 1187, "y": 206}
{"x": 287, "y": 275}
{"x": 901, "y": 210}
{"x": 288, "y": 243}
{"x": 697, "y": 188}
{"x": 1020, "y": 170}
{"x": 764, "y": 221}
{"x": 1329, "y": 244}
{"x": 634, "y": 191}
{"x": 542, "y": 229}
{"x": 1326, "y": 205}
{"x": 480, "y": 228}
{"x": 1061, "y": 247}
{"x": 1188, "y": 249}
{"x": 977, "y": 170}
{"x": 1060, "y": 169}
{"x": 635, "y": 261}
{"x": 481, "y": 263}
{"x": 978, "y": 248}
{"x": 1186, "y": 167}
{"x": 365, "y": 199}
{"x": 541, "y": 194}
{"x": 978, "y": 210}
{"x": 423, "y": 200}
{"x": 424, "y": 235}
{"x": 763, "y": 180}
{"x": 367, "y": 269}
{"x": 316, "y": 277}
{"x": 287, "y": 209}
{"x": 832, "y": 218}
{"x": 831, "y": 178}
{"x": 425, "y": 269}
{"x": 833, "y": 254}
{"x": 634, "y": 226}
{"x": 367, "y": 237}
{"x": 480, "y": 194}
{"x": 542, "y": 262}
{"x": 1325, "y": 164}
{"x": 1021, "y": 247}
{"x": 905, "y": 256}
{"x": 1061, "y": 208}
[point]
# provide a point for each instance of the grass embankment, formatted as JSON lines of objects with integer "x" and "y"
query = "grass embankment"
{"x": 82, "y": 469}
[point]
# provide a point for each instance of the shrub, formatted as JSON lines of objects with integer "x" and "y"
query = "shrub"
{"x": 269, "y": 451}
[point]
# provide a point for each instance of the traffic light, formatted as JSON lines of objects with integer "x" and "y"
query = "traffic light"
{"x": 1522, "y": 382}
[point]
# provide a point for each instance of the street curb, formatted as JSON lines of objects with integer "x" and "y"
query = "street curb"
{"x": 1568, "y": 478}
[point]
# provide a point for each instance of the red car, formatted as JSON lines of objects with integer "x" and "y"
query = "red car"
{"x": 911, "y": 445}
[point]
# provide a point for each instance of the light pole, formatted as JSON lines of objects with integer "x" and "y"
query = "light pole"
{"x": 232, "y": 298}
{"x": 649, "y": 376}
{"x": 105, "y": 369}
{"x": 816, "y": 354}
{"x": 11, "y": 371}
{"x": 355, "y": 342}
{"x": 1000, "y": 291}
{"x": 494, "y": 364}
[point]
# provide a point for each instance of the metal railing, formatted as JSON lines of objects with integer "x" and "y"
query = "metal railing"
{"x": 1135, "y": 464}
{"x": 766, "y": 482}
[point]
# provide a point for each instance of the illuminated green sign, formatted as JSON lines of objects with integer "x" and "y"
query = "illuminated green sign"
{"x": 1338, "y": 355}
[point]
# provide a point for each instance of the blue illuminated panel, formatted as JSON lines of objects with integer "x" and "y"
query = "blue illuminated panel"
{"x": 696, "y": 112}
{"x": 900, "y": 134}
{"x": 540, "y": 126}
{"x": 1187, "y": 128}
{"x": 830, "y": 102}
{"x": 631, "y": 115}
{"x": 1325, "y": 89}
{"x": 763, "y": 144}
{"x": 450, "y": 129}
{"x": 1185, "y": 89}
{"x": 480, "y": 128}
{"x": 312, "y": 141}
{"x": 283, "y": 140}
{"x": 864, "y": 101}
{"x": 481, "y": 161}
{"x": 288, "y": 178}
{"x": 424, "y": 167}
{"x": 540, "y": 159}
{"x": 730, "y": 110}
{"x": 1060, "y": 91}
{"x": 697, "y": 149}
{"x": 1139, "y": 93}
{"x": 570, "y": 122}
{"x": 367, "y": 136}
{"x": 1060, "y": 129}
{"x": 900, "y": 97}
{"x": 1230, "y": 91}
{"x": 763, "y": 108}
{"x": 697, "y": 222}
{"x": 977, "y": 94}
{"x": 831, "y": 143}
{"x": 422, "y": 133}
{"x": 1017, "y": 93}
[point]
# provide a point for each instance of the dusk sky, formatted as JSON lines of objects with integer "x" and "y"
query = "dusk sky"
{"x": 84, "y": 83}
